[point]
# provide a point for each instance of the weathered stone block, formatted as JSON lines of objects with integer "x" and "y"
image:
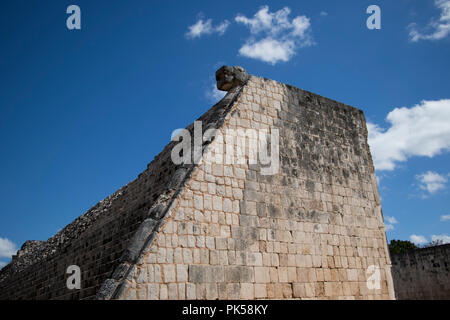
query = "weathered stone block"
{"x": 239, "y": 274}
{"x": 247, "y": 291}
{"x": 169, "y": 273}
{"x": 262, "y": 275}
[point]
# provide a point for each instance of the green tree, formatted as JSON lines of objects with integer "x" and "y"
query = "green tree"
{"x": 401, "y": 246}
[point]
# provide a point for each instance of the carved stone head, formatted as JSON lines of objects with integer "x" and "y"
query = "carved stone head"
{"x": 230, "y": 77}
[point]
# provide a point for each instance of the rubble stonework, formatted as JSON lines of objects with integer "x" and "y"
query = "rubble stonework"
{"x": 422, "y": 274}
{"x": 225, "y": 231}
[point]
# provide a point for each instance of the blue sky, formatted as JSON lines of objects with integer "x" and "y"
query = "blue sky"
{"x": 82, "y": 112}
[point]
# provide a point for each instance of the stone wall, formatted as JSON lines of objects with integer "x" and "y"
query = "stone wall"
{"x": 226, "y": 231}
{"x": 99, "y": 241}
{"x": 422, "y": 273}
{"x": 308, "y": 232}
{"x": 95, "y": 242}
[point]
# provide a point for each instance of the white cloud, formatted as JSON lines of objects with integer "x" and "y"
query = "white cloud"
{"x": 422, "y": 130}
{"x": 269, "y": 50}
{"x": 269, "y": 22}
{"x": 323, "y": 13}
{"x": 205, "y": 27}
{"x": 7, "y": 248}
{"x": 431, "y": 181}
{"x": 418, "y": 239}
{"x": 301, "y": 26}
{"x": 199, "y": 28}
{"x": 221, "y": 28}
{"x": 437, "y": 28}
{"x": 445, "y": 217}
{"x": 213, "y": 94}
{"x": 391, "y": 220}
{"x": 274, "y": 37}
{"x": 2, "y": 264}
{"x": 390, "y": 223}
{"x": 442, "y": 237}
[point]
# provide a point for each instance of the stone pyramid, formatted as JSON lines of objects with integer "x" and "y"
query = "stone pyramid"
{"x": 217, "y": 216}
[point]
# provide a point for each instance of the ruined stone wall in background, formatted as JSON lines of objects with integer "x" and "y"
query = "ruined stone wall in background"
{"x": 422, "y": 273}
{"x": 310, "y": 231}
